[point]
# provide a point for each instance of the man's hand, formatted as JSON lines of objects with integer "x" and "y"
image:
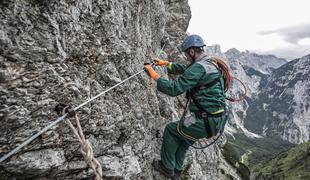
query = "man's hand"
{"x": 159, "y": 62}
{"x": 150, "y": 71}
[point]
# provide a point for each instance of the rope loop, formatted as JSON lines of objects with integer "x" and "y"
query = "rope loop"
{"x": 86, "y": 148}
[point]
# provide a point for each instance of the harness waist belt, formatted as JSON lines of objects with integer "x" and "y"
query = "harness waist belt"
{"x": 200, "y": 114}
{"x": 210, "y": 126}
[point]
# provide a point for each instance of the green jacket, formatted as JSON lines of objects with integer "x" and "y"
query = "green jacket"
{"x": 199, "y": 73}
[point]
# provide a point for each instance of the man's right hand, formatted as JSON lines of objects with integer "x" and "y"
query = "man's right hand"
{"x": 159, "y": 62}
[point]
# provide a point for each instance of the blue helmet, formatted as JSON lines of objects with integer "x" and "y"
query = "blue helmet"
{"x": 192, "y": 41}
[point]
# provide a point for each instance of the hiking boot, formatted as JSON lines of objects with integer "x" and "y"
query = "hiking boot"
{"x": 158, "y": 166}
{"x": 177, "y": 175}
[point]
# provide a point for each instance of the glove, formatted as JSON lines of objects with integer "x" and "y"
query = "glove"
{"x": 159, "y": 62}
{"x": 150, "y": 71}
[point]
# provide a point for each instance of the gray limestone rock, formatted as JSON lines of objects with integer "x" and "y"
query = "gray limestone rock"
{"x": 68, "y": 52}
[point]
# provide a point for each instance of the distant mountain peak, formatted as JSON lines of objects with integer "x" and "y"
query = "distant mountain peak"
{"x": 214, "y": 49}
{"x": 233, "y": 51}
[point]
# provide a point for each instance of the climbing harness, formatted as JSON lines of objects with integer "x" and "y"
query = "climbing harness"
{"x": 203, "y": 113}
{"x": 3, "y": 158}
{"x": 191, "y": 140}
{"x": 205, "y": 116}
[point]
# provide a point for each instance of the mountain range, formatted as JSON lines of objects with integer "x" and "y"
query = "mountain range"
{"x": 275, "y": 115}
{"x": 283, "y": 104}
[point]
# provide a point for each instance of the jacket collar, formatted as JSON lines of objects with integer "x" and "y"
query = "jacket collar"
{"x": 202, "y": 56}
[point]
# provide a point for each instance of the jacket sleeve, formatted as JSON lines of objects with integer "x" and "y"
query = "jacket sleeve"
{"x": 186, "y": 81}
{"x": 176, "y": 68}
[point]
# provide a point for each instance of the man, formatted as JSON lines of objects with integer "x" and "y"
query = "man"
{"x": 204, "y": 101}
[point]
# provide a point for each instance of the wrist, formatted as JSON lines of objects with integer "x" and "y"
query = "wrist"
{"x": 169, "y": 66}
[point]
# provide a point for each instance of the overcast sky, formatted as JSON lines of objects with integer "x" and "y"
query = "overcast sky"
{"x": 279, "y": 27}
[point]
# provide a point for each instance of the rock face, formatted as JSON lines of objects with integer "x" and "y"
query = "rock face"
{"x": 69, "y": 51}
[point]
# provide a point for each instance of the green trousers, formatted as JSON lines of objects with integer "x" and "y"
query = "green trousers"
{"x": 174, "y": 146}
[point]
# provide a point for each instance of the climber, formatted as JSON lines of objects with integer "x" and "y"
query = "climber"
{"x": 204, "y": 84}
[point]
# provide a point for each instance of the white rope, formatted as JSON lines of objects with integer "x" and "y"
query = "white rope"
{"x": 32, "y": 138}
{"x": 95, "y": 97}
{"x": 86, "y": 149}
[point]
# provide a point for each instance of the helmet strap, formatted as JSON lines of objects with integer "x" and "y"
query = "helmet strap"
{"x": 192, "y": 56}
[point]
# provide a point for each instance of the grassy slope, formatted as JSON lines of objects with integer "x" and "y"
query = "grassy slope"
{"x": 293, "y": 164}
{"x": 244, "y": 153}
{"x": 257, "y": 149}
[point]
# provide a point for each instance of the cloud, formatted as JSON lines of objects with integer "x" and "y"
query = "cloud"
{"x": 291, "y": 34}
{"x": 289, "y": 52}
